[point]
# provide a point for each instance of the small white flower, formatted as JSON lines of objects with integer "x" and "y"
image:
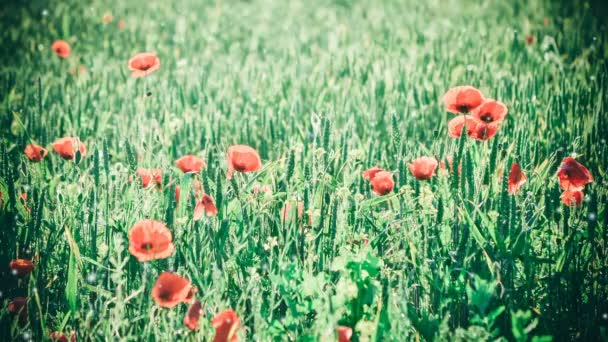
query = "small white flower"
{"x": 271, "y": 243}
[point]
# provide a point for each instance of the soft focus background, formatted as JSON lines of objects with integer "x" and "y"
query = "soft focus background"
{"x": 323, "y": 90}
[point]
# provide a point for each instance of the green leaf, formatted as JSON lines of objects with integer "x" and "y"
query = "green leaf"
{"x": 71, "y": 289}
{"x": 481, "y": 293}
{"x": 481, "y": 240}
{"x": 65, "y": 24}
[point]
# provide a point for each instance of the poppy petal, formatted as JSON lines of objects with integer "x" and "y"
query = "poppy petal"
{"x": 242, "y": 158}
{"x": 516, "y": 178}
{"x": 490, "y": 111}
{"x": 344, "y": 334}
{"x": 35, "y": 153}
{"x": 171, "y": 289}
{"x": 423, "y": 168}
{"x": 573, "y": 175}
{"x": 371, "y": 173}
{"x": 190, "y": 164}
{"x": 462, "y": 99}
{"x": 456, "y": 125}
{"x": 226, "y": 324}
{"x": 193, "y": 315}
{"x": 572, "y": 198}
{"x": 383, "y": 183}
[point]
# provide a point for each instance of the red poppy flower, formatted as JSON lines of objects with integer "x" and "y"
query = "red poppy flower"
{"x": 190, "y": 164}
{"x": 462, "y": 99}
{"x": 192, "y": 316}
{"x": 483, "y": 131}
{"x": 61, "y": 48}
{"x": 383, "y": 183}
{"x": 490, "y": 111}
{"x": 150, "y": 240}
{"x": 21, "y": 267}
{"x": 226, "y": 323}
{"x": 56, "y": 336}
{"x": 516, "y": 178}
{"x": 456, "y": 124}
{"x": 66, "y": 147}
{"x": 35, "y": 153}
{"x": 121, "y": 24}
{"x": 371, "y": 173}
{"x": 145, "y": 175}
{"x": 19, "y": 306}
{"x": 242, "y": 158}
{"x": 423, "y": 168}
{"x": 572, "y": 198}
{"x": 573, "y": 175}
{"x": 205, "y": 205}
{"x": 143, "y": 64}
{"x": 170, "y": 289}
{"x": 344, "y": 334}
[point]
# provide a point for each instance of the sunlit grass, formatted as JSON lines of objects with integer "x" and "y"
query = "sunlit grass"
{"x": 323, "y": 90}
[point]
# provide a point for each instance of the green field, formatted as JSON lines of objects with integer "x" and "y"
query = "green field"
{"x": 323, "y": 91}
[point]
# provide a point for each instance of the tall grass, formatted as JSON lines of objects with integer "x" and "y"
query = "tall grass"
{"x": 323, "y": 90}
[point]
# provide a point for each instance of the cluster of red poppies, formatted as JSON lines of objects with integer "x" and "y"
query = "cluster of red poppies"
{"x": 151, "y": 240}
{"x": 382, "y": 182}
{"x": 65, "y": 147}
{"x": 481, "y": 117}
